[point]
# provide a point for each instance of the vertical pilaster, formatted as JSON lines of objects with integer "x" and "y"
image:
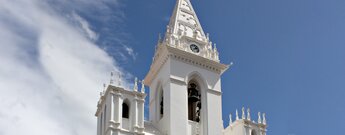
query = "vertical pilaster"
{"x": 214, "y": 112}
{"x": 134, "y": 114}
{"x": 112, "y": 110}
{"x": 141, "y": 113}
{"x": 117, "y": 110}
{"x": 98, "y": 125}
{"x": 120, "y": 110}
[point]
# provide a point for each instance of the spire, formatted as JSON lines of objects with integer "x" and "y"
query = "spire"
{"x": 184, "y": 21}
{"x": 259, "y": 117}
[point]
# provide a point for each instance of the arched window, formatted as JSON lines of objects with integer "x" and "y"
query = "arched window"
{"x": 194, "y": 102}
{"x": 253, "y": 132}
{"x": 161, "y": 103}
{"x": 125, "y": 110}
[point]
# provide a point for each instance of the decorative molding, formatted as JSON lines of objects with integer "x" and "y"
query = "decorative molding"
{"x": 186, "y": 57}
{"x": 216, "y": 92}
{"x": 178, "y": 80}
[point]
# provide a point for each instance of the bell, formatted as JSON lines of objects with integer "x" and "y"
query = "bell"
{"x": 193, "y": 94}
{"x": 197, "y": 119}
{"x": 199, "y": 104}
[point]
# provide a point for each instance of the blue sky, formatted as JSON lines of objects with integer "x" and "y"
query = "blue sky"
{"x": 289, "y": 59}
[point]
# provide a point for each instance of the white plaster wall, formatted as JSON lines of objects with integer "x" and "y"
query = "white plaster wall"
{"x": 211, "y": 105}
{"x": 182, "y": 70}
{"x": 214, "y": 114}
{"x": 98, "y": 124}
{"x": 240, "y": 128}
{"x": 160, "y": 81}
{"x": 237, "y": 129}
{"x": 175, "y": 119}
{"x": 178, "y": 108}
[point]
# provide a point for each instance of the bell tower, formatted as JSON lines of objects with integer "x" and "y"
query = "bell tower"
{"x": 185, "y": 78}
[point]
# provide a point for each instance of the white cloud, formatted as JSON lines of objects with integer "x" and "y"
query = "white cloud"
{"x": 50, "y": 73}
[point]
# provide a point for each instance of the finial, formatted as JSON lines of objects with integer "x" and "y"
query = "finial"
{"x": 135, "y": 84}
{"x": 237, "y": 115}
{"x": 159, "y": 38}
{"x": 215, "y": 47}
{"x": 230, "y": 117}
{"x": 243, "y": 114}
{"x": 104, "y": 89}
{"x": 208, "y": 36}
{"x": 195, "y": 33}
{"x": 168, "y": 28}
{"x": 111, "y": 77}
{"x": 248, "y": 114}
{"x": 264, "y": 118}
{"x": 259, "y": 117}
{"x": 142, "y": 87}
{"x": 119, "y": 79}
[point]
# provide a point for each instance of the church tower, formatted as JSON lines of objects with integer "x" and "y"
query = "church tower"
{"x": 185, "y": 89}
{"x": 185, "y": 78}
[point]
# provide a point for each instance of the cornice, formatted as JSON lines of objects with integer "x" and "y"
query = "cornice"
{"x": 216, "y": 92}
{"x": 178, "y": 80}
{"x": 166, "y": 52}
{"x": 197, "y": 60}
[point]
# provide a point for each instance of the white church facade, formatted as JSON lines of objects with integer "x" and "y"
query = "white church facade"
{"x": 185, "y": 89}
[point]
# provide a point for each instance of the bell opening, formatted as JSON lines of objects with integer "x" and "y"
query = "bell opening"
{"x": 194, "y": 102}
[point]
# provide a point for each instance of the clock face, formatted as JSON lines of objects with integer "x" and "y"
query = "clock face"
{"x": 194, "y": 48}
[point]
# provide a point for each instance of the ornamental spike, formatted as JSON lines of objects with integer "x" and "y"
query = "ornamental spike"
{"x": 135, "y": 84}
{"x": 111, "y": 77}
{"x": 142, "y": 87}
{"x": 215, "y": 47}
{"x": 119, "y": 79}
{"x": 237, "y": 114}
{"x": 264, "y": 118}
{"x": 259, "y": 117}
{"x": 230, "y": 117}
{"x": 248, "y": 114}
{"x": 243, "y": 114}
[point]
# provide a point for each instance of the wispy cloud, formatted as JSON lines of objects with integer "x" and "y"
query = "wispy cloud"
{"x": 85, "y": 27}
{"x": 130, "y": 51}
{"x": 50, "y": 71}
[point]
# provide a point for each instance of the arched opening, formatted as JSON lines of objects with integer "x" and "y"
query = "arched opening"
{"x": 161, "y": 103}
{"x": 194, "y": 101}
{"x": 125, "y": 110}
{"x": 253, "y": 132}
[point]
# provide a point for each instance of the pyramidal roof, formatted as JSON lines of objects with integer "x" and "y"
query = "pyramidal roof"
{"x": 184, "y": 19}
